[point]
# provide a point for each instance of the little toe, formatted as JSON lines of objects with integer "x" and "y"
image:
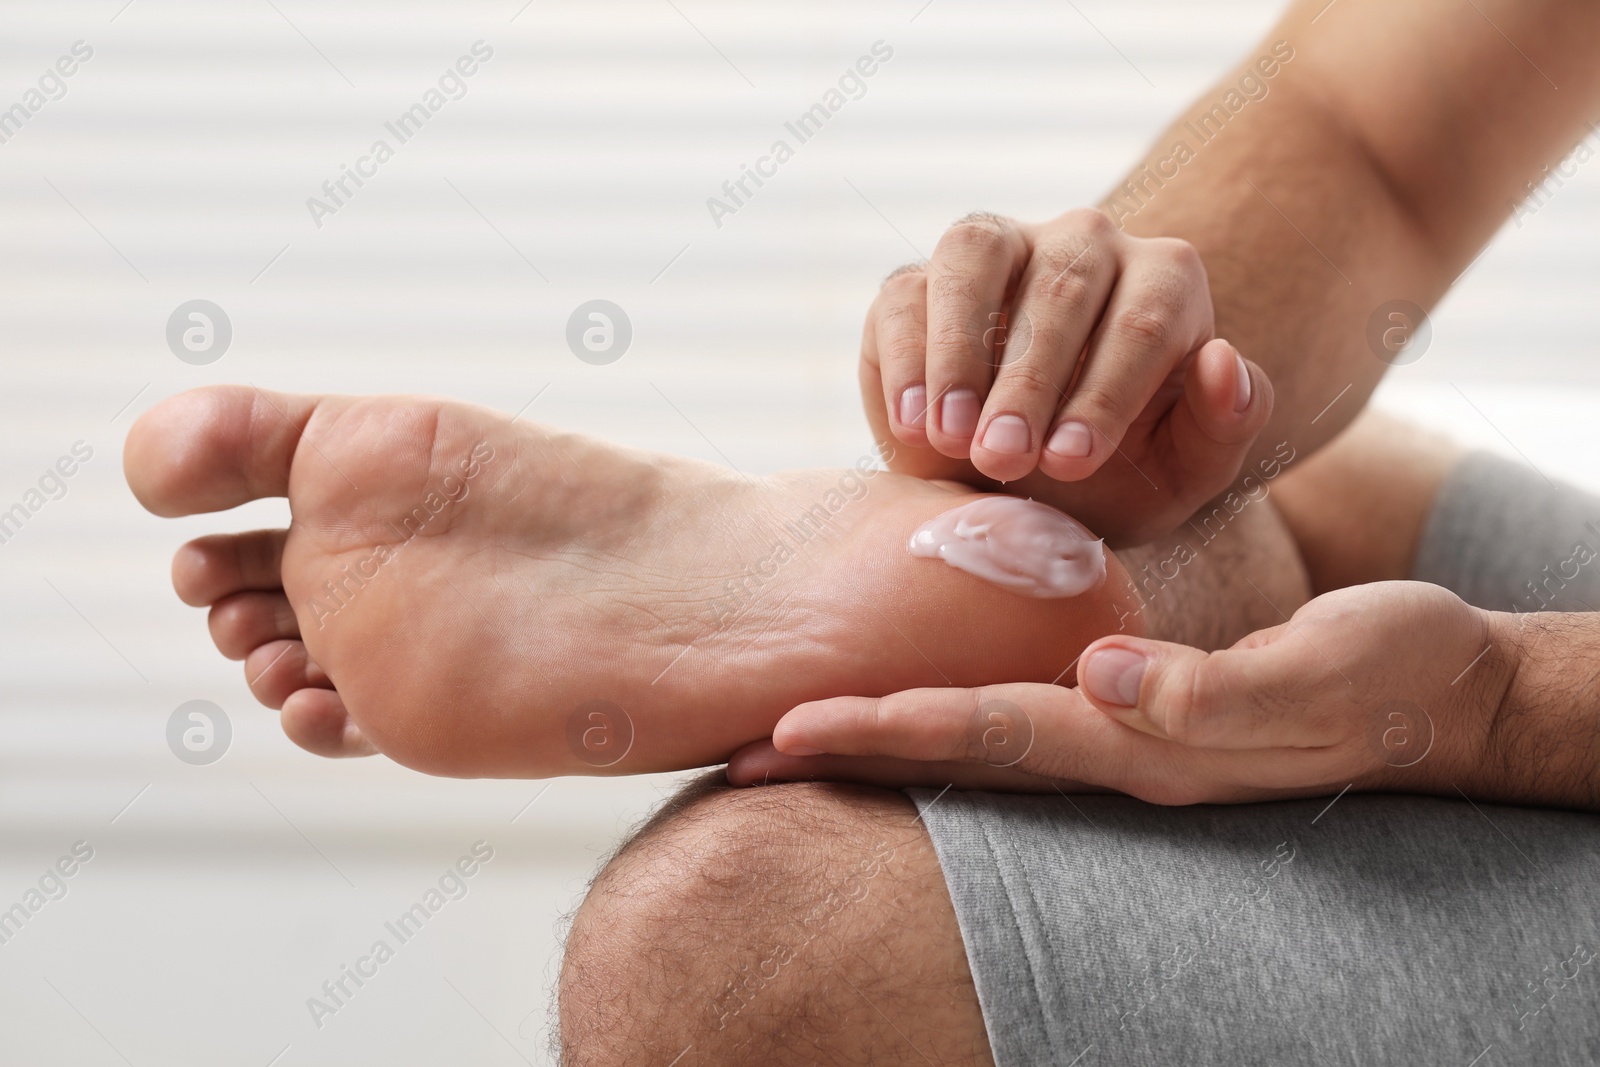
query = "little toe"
{"x": 280, "y": 668}
{"x": 243, "y": 622}
{"x": 214, "y": 448}
{"x": 316, "y": 720}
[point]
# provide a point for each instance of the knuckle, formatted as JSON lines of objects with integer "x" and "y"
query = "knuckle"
{"x": 1046, "y": 341}
{"x": 909, "y": 276}
{"x": 903, "y": 315}
{"x": 902, "y": 334}
{"x": 1178, "y": 254}
{"x": 986, "y": 219}
{"x": 903, "y": 350}
{"x": 1092, "y": 223}
{"x": 1065, "y": 275}
{"x": 971, "y": 746}
{"x": 949, "y": 286}
{"x": 979, "y": 232}
{"x": 1029, "y": 379}
{"x": 1184, "y": 710}
{"x": 956, "y": 337}
{"x": 1106, "y": 407}
{"x": 1143, "y": 327}
{"x": 876, "y": 716}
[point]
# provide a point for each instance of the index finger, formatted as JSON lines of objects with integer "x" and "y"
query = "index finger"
{"x": 1027, "y": 726}
{"x": 974, "y": 267}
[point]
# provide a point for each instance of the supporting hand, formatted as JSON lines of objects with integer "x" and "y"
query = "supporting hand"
{"x": 1391, "y": 686}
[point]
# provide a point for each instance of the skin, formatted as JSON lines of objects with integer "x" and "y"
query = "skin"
{"x": 1372, "y": 170}
{"x": 449, "y": 595}
{"x": 803, "y": 924}
{"x": 1396, "y": 141}
{"x": 1106, "y": 362}
{"x": 1377, "y": 684}
{"x": 1357, "y": 508}
{"x": 1389, "y": 686}
{"x": 1395, "y": 162}
{"x": 1186, "y": 586}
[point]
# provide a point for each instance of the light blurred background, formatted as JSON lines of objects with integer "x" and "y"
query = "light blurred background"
{"x": 576, "y": 167}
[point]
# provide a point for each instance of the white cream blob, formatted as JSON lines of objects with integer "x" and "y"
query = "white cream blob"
{"x": 1021, "y": 545}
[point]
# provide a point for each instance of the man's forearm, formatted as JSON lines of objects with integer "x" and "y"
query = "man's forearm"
{"x": 1544, "y": 744}
{"x": 1389, "y": 142}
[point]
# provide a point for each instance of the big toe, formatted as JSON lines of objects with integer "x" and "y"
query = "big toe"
{"x": 214, "y": 448}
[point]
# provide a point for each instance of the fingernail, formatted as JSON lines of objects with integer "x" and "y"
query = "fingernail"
{"x": 802, "y": 750}
{"x": 1008, "y": 434}
{"x": 958, "y": 416}
{"x": 914, "y": 406}
{"x": 1072, "y": 440}
{"x": 1114, "y": 676}
{"x": 1241, "y": 399}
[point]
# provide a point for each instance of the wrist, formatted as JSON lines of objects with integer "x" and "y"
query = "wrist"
{"x": 1543, "y": 746}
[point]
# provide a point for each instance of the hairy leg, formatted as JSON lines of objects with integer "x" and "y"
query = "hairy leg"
{"x": 1358, "y": 507}
{"x": 800, "y": 924}
{"x": 1233, "y": 569}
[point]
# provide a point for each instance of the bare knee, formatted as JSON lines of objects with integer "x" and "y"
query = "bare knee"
{"x": 802, "y": 923}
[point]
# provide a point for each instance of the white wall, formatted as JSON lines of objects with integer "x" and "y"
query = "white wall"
{"x": 177, "y": 166}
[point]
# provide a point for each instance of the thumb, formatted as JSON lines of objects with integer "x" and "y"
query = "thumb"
{"x": 1225, "y": 405}
{"x": 1249, "y": 696}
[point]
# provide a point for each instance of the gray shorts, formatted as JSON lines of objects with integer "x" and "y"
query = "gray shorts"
{"x": 1370, "y": 930}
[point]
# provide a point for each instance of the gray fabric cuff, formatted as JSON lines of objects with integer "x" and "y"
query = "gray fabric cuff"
{"x": 1504, "y": 538}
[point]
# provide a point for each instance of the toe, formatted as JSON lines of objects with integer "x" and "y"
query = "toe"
{"x": 243, "y": 622}
{"x": 316, "y": 720}
{"x": 214, "y": 448}
{"x": 280, "y": 668}
{"x": 209, "y": 568}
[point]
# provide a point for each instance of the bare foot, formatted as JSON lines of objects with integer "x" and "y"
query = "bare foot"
{"x": 475, "y": 596}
